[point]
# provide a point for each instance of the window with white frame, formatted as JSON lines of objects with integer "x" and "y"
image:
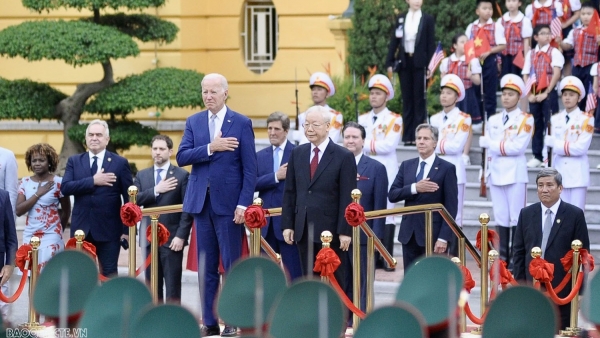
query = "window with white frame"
{"x": 261, "y": 34}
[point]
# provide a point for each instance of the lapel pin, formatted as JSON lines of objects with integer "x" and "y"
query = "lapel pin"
{"x": 436, "y": 168}
{"x": 171, "y": 172}
{"x": 109, "y": 159}
{"x": 558, "y": 221}
{"x": 229, "y": 121}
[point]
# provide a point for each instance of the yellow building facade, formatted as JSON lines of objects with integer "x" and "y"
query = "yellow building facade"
{"x": 311, "y": 37}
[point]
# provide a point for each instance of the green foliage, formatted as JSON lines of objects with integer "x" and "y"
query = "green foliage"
{"x": 144, "y": 27}
{"x": 372, "y": 23}
{"x": 75, "y": 42}
{"x": 25, "y": 99}
{"x": 47, "y": 5}
{"x": 161, "y": 88}
{"x": 457, "y": 15}
{"x": 123, "y": 134}
{"x": 343, "y": 100}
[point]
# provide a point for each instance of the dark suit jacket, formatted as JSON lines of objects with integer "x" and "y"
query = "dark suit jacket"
{"x": 424, "y": 45}
{"x": 373, "y": 183}
{"x": 179, "y": 224}
{"x": 97, "y": 208}
{"x": 230, "y": 174}
{"x": 569, "y": 224}
{"x": 444, "y": 174}
{"x": 322, "y": 200}
{"x": 8, "y": 235}
{"x": 270, "y": 191}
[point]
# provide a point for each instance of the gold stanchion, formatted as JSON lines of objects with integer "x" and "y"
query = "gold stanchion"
{"x": 573, "y": 330}
{"x": 356, "y": 194}
{"x": 33, "y": 318}
{"x": 154, "y": 259}
{"x": 463, "y": 315}
{"x": 493, "y": 256}
{"x": 326, "y": 238}
{"x": 535, "y": 253}
{"x": 132, "y": 191}
{"x": 428, "y": 233}
{"x": 484, "y": 219}
{"x": 255, "y": 236}
{"x": 79, "y": 236}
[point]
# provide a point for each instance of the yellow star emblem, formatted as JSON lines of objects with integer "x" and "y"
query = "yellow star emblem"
{"x": 470, "y": 52}
{"x": 478, "y": 42}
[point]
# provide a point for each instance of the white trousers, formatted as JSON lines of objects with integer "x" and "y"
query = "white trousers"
{"x": 575, "y": 196}
{"x": 507, "y": 201}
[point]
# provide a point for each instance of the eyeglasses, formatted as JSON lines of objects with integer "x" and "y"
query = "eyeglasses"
{"x": 314, "y": 125}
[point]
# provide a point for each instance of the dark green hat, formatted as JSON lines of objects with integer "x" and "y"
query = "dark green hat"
{"x": 241, "y": 285}
{"x": 426, "y": 286}
{"x": 165, "y": 321}
{"x": 398, "y": 320}
{"x": 305, "y": 308}
{"x": 112, "y": 308}
{"x": 80, "y": 274}
{"x": 590, "y": 304}
{"x": 521, "y": 311}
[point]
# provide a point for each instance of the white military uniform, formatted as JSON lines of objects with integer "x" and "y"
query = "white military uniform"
{"x": 507, "y": 164}
{"x": 570, "y": 141}
{"x": 336, "y": 123}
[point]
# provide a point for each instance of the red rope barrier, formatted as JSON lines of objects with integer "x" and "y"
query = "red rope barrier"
{"x": 574, "y": 292}
{"x": 493, "y": 239}
{"x": 476, "y": 320}
{"x": 17, "y": 294}
{"x": 137, "y": 271}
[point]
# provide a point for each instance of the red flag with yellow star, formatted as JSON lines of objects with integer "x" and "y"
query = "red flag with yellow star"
{"x": 469, "y": 51}
{"x": 481, "y": 43}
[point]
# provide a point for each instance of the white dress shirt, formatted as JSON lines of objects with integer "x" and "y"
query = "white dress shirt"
{"x": 163, "y": 174}
{"x": 321, "y": 147}
{"x": 556, "y": 58}
{"x": 357, "y": 158}
{"x": 411, "y": 28}
{"x": 218, "y": 123}
{"x": 554, "y": 210}
{"x": 281, "y": 149}
{"x": 99, "y": 161}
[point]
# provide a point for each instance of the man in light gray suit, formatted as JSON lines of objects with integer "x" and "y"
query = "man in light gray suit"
{"x": 9, "y": 181}
{"x": 165, "y": 184}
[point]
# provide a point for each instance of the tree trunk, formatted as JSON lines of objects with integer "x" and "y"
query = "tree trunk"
{"x": 69, "y": 111}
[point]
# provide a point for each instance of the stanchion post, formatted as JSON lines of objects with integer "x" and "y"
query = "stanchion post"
{"x": 536, "y": 252}
{"x": 255, "y": 235}
{"x": 326, "y": 238}
{"x": 154, "y": 258}
{"x": 132, "y": 191}
{"x": 428, "y": 233}
{"x": 79, "y": 236}
{"x": 356, "y": 194}
{"x": 463, "y": 315}
{"x": 33, "y": 319}
{"x": 493, "y": 256}
{"x": 484, "y": 219}
{"x": 574, "y": 330}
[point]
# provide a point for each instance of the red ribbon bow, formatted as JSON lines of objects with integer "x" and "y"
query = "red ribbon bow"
{"x": 469, "y": 283}
{"x": 130, "y": 214}
{"x": 162, "y": 233}
{"x": 255, "y": 217}
{"x": 87, "y": 247}
{"x": 355, "y": 214}
{"x": 505, "y": 276}
{"x": 492, "y": 237}
{"x": 327, "y": 262}
{"x": 541, "y": 270}
{"x": 23, "y": 256}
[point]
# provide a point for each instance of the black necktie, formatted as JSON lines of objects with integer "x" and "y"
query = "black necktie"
{"x": 421, "y": 172}
{"x": 505, "y": 118}
{"x": 568, "y": 119}
{"x": 94, "y": 168}
{"x": 445, "y": 118}
{"x": 374, "y": 118}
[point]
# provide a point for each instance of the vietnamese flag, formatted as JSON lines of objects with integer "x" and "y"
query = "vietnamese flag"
{"x": 482, "y": 45}
{"x": 519, "y": 60}
{"x": 542, "y": 83}
{"x": 469, "y": 51}
{"x": 594, "y": 27}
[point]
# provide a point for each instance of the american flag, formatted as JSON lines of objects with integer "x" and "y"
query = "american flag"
{"x": 531, "y": 80}
{"x": 590, "y": 102}
{"x": 555, "y": 25}
{"x": 436, "y": 58}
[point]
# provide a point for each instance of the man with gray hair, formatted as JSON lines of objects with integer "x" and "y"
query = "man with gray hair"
{"x": 424, "y": 180}
{"x": 99, "y": 179}
{"x": 551, "y": 225}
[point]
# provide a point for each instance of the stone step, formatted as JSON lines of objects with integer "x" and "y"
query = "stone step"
{"x": 474, "y": 170}
{"x": 472, "y": 193}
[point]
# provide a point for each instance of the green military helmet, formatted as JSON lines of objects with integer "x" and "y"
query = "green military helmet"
{"x": 400, "y": 320}
{"x": 165, "y": 321}
{"x": 112, "y": 308}
{"x": 79, "y": 273}
{"x": 246, "y": 281}
{"x": 428, "y": 286}
{"x": 590, "y": 304}
{"x": 309, "y": 308}
{"x": 521, "y": 311}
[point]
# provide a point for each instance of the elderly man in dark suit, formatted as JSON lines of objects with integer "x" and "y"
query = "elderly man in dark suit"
{"x": 272, "y": 168}
{"x": 165, "y": 184}
{"x": 319, "y": 181}
{"x": 219, "y": 145}
{"x": 371, "y": 180}
{"x": 424, "y": 180}
{"x": 99, "y": 180}
{"x": 552, "y": 225}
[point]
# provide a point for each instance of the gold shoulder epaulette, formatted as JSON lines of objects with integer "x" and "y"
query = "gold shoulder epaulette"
{"x": 396, "y": 114}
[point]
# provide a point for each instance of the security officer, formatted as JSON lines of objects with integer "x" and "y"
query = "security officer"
{"x": 384, "y": 130}
{"x": 571, "y": 137}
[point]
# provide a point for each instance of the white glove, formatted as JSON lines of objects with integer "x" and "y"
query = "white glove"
{"x": 484, "y": 142}
{"x": 549, "y": 141}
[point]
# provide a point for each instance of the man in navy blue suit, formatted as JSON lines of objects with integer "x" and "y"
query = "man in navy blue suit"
{"x": 219, "y": 144}
{"x": 371, "y": 180}
{"x": 272, "y": 169}
{"x": 99, "y": 180}
{"x": 424, "y": 180}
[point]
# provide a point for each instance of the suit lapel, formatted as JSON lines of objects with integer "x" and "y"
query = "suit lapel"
{"x": 204, "y": 136}
{"x": 362, "y": 166}
{"x": 85, "y": 162}
{"x": 435, "y": 168}
{"x": 558, "y": 222}
{"x": 327, "y": 156}
{"x": 537, "y": 225}
{"x": 108, "y": 158}
{"x": 287, "y": 152}
{"x": 419, "y": 32}
{"x": 227, "y": 123}
{"x": 411, "y": 168}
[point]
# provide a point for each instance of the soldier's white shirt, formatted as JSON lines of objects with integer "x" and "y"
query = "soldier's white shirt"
{"x": 507, "y": 144}
{"x": 571, "y": 144}
{"x": 453, "y": 135}
{"x": 336, "y": 125}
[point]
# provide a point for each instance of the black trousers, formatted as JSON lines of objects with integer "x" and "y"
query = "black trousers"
{"x": 414, "y": 110}
{"x": 169, "y": 273}
{"x": 107, "y": 253}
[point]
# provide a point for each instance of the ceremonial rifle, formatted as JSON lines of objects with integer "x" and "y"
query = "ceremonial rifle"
{"x": 484, "y": 164}
{"x": 297, "y": 107}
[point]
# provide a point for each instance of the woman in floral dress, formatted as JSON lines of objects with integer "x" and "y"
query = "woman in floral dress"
{"x": 39, "y": 196}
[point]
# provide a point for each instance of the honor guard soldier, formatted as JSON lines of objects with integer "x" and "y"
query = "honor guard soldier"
{"x": 506, "y": 137}
{"x": 571, "y": 137}
{"x": 454, "y": 127}
{"x": 321, "y": 88}
{"x": 384, "y": 130}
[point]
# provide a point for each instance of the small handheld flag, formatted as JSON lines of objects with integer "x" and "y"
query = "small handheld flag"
{"x": 436, "y": 58}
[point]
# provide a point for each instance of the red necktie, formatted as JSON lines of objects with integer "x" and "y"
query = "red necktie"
{"x": 314, "y": 163}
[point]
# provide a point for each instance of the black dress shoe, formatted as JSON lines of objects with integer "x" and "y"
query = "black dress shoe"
{"x": 229, "y": 331}
{"x": 210, "y": 331}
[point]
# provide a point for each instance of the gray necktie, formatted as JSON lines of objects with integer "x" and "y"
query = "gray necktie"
{"x": 211, "y": 126}
{"x": 547, "y": 229}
